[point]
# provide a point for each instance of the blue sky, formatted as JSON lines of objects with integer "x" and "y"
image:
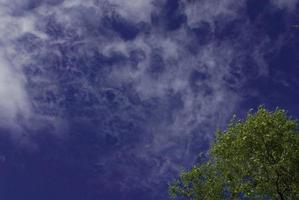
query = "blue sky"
{"x": 111, "y": 99}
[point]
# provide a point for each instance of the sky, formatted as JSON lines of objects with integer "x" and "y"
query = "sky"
{"x": 111, "y": 99}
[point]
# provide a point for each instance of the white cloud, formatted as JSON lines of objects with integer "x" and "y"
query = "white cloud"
{"x": 137, "y": 10}
{"x": 208, "y": 11}
{"x": 286, "y": 4}
{"x": 13, "y": 98}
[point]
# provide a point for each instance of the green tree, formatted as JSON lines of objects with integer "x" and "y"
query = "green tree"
{"x": 256, "y": 158}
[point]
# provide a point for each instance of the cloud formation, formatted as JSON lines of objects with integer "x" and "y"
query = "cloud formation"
{"x": 13, "y": 101}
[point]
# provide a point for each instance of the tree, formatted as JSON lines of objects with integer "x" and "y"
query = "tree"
{"x": 257, "y": 158}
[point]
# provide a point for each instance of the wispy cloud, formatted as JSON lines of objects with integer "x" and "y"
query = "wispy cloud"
{"x": 290, "y": 5}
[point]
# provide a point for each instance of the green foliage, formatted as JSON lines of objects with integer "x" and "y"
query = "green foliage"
{"x": 256, "y": 158}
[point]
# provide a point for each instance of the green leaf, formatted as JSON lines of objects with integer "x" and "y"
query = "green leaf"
{"x": 257, "y": 157}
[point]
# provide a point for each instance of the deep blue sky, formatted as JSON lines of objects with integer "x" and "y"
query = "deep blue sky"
{"x": 110, "y": 100}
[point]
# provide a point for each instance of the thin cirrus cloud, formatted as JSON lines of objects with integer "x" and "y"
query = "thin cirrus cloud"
{"x": 128, "y": 10}
{"x": 287, "y": 4}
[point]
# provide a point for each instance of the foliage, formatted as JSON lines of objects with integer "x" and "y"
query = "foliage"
{"x": 257, "y": 158}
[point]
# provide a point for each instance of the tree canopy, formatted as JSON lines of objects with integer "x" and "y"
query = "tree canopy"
{"x": 255, "y": 158}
